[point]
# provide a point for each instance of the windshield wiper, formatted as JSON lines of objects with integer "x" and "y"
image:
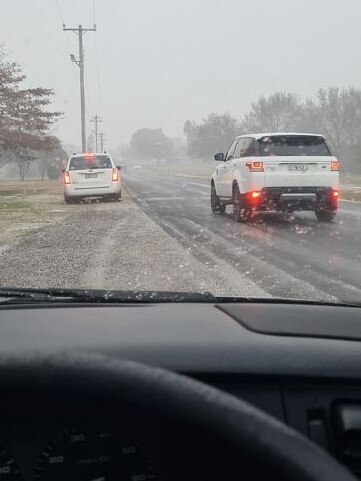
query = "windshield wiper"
{"x": 45, "y": 296}
{"x": 14, "y": 296}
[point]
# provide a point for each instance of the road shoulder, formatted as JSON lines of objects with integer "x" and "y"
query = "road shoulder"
{"x": 114, "y": 245}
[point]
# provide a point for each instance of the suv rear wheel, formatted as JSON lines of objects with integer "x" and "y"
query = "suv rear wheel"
{"x": 117, "y": 197}
{"x": 325, "y": 216}
{"x": 216, "y": 206}
{"x": 241, "y": 212}
{"x": 68, "y": 199}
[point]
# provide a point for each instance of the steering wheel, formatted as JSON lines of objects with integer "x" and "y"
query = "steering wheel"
{"x": 248, "y": 440}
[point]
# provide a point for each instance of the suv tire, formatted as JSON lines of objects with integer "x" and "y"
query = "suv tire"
{"x": 325, "y": 216}
{"x": 216, "y": 206}
{"x": 241, "y": 212}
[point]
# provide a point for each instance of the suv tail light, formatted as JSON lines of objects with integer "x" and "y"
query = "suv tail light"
{"x": 335, "y": 165}
{"x": 255, "y": 166}
{"x": 67, "y": 180}
{"x": 115, "y": 175}
{"x": 335, "y": 194}
{"x": 256, "y": 194}
{"x": 254, "y": 197}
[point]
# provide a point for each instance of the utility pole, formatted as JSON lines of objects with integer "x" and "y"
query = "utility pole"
{"x": 102, "y": 135}
{"x": 96, "y": 119}
{"x": 80, "y": 31}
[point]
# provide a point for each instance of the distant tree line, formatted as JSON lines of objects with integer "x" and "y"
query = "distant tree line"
{"x": 333, "y": 112}
{"x": 152, "y": 144}
{"x": 25, "y": 121}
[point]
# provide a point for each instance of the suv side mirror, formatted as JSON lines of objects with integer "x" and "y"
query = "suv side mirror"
{"x": 63, "y": 170}
{"x": 219, "y": 157}
{"x": 119, "y": 167}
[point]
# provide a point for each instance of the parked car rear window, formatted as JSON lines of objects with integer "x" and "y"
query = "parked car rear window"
{"x": 91, "y": 162}
{"x": 293, "y": 145}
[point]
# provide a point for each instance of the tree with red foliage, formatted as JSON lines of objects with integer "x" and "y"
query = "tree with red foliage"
{"x": 25, "y": 118}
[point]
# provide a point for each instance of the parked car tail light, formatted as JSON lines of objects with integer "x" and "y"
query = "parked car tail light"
{"x": 335, "y": 194}
{"x": 67, "y": 180}
{"x": 255, "y": 166}
{"x": 115, "y": 175}
{"x": 335, "y": 165}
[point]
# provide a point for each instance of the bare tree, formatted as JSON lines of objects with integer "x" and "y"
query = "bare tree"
{"x": 336, "y": 113}
{"x": 278, "y": 112}
{"x": 213, "y": 134}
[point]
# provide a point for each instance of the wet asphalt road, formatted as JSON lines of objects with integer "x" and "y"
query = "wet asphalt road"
{"x": 296, "y": 257}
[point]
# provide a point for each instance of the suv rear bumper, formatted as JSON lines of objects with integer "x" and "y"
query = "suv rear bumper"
{"x": 297, "y": 198}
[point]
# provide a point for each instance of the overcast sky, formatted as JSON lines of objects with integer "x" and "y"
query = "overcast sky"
{"x": 165, "y": 61}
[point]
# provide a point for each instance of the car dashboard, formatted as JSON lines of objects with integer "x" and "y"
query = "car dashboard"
{"x": 299, "y": 363}
{"x": 59, "y": 445}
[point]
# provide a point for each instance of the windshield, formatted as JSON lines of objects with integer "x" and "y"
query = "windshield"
{"x": 293, "y": 145}
{"x": 90, "y": 162}
{"x": 187, "y": 146}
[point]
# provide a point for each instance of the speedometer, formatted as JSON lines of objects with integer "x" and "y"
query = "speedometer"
{"x": 94, "y": 455}
{"x": 9, "y": 470}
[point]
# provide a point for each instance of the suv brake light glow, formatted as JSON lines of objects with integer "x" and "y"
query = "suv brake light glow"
{"x": 67, "y": 180}
{"x": 335, "y": 194}
{"x": 254, "y": 197}
{"x": 255, "y": 166}
{"x": 335, "y": 165}
{"x": 115, "y": 175}
{"x": 256, "y": 194}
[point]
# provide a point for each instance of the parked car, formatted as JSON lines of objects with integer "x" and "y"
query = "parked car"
{"x": 91, "y": 175}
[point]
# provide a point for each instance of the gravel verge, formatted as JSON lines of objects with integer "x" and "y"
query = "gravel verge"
{"x": 111, "y": 245}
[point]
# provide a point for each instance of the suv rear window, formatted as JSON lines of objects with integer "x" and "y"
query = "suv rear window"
{"x": 90, "y": 162}
{"x": 292, "y": 145}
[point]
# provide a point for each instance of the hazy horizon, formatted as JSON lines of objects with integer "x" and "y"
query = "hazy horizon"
{"x": 163, "y": 62}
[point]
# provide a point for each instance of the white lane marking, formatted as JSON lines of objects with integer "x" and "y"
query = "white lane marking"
{"x": 192, "y": 176}
{"x": 357, "y": 188}
{"x": 165, "y": 197}
{"x": 351, "y": 201}
{"x": 197, "y": 184}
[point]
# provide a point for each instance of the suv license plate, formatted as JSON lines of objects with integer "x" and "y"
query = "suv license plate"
{"x": 297, "y": 167}
{"x": 90, "y": 176}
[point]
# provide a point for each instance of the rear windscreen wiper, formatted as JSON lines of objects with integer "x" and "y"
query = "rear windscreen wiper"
{"x": 44, "y": 296}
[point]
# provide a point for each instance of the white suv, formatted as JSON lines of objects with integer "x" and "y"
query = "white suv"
{"x": 276, "y": 172}
{"x": 91, "y": 175}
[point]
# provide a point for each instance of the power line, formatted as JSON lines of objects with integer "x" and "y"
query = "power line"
{"x": 88, "y": 95}
{"x": 94, "y": 12}
{"x": 97, "y": 58}
{"x": 66, "y": 33}
{"x": 60, "y": 12}
{"x": 98, "y": 74}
